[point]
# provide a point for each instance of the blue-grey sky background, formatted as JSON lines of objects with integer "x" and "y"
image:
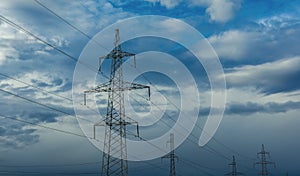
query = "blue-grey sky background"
{"x": 256, "y": 41}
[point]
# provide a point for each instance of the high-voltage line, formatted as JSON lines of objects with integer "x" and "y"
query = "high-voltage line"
{"x": 114, "y": 158}
{"x": 68, "y": 55}
{"x": 91, "y": 67}
{"x": 89, "y": 37}
{"x": 263, "y": 161}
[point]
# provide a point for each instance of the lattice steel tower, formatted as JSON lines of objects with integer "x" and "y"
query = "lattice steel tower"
{"x": 234, "y": 169}
{"x": 263, "y": 162}
{"x": 115, "y": 120}
{"x": 171, "y": 155}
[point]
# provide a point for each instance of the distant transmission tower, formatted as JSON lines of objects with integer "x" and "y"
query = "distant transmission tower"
{"x": 171, "y": 155}
{"x": 115, "y": 121}
{"x": 234, "y": 169}
{"x": 263, "y": 162}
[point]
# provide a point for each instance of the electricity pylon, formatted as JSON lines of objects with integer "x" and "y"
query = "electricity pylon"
{"x": 171, "y": 155}
{"x": 234, "y": 169}
{"x": 115, "y": 120}
{"x": 263, "y": 162}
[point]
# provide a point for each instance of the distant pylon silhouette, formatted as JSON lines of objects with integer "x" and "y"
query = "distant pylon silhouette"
{"x": 234, "y": 168}
{"x": 263, "y": 162}
{"x": 171, "y": 155}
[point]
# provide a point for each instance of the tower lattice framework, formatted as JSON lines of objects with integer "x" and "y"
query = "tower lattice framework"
{"x": 234, "y": 171}
{"x": 171, "y": 155}
{"x": 264, "y": 162}
{"x": 114, "y": 158}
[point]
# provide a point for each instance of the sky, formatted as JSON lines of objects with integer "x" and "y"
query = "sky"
{"x": 256, "y": 42}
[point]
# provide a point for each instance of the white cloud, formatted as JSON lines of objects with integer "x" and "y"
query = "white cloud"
{"x": 278, "y": 21}
{"x": 45, "y": 81}
{"x": 172, "y": 25}
{"x": 7, "y": 53}
{"x": 233, "y": 44}
{"x": 8, "y": 37}
{"x": 222, "y": 10}
{"x": 91, "y": 15}
{"x": 268, "y": 42}
{"x": 60, "y": 41}
{"x": 167, "y": 3}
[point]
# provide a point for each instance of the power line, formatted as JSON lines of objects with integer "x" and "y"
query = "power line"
{"x": 71, "y": 100}
{"x": 183, "y": 158}
{"x": 69, "y": 56}
{"x": 89, "y": 37}
{"x": 44, "y": 105}
{"x": 212, "y": 150}
{"x": 20, "y": 28}
{"x": 46, "y": 127}
{"x": 43, "y": 173}
{"x": 43, "y": 90}
{"x": 35, "y": 102}
{"x": 139, "y": 137}
{"x": 208, "y": 149}
{"x": 64, "y": 20}
{"x": 74, "y": 27}
{"x": 227, "y": 148}
{"x": 61, "y": 51}
{"x": 50, "y": 128}
{"x": 54, "y": 165}
{"x": 219, "y": 142}
{"x": 65, "y": 132}
{"x": 61, "y": 131}
{"x": 188, "y": 162}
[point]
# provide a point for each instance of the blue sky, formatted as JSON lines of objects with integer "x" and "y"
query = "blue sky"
{"x": 256, "y": 41}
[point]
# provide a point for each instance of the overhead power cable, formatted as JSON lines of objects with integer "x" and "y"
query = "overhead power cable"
{"x": 46, "y": 127}
{"x": 52, "y": 46}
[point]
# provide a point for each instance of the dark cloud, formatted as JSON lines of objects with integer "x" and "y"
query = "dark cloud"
{"x": 67, "y": 86}
{"x": 16, "y": 135}
{"x": 40, "y": 84}
{"x": 270, "y": 108}
{"x": 16, "y": 107}
{"x": 42, "y": 116}
{"x": 52, "y": 82}
{"x": 57, "y": 81}
{"x": 249, "y": 108}
{"x": 268, "y": 78}
{"x": 2, "y": 131}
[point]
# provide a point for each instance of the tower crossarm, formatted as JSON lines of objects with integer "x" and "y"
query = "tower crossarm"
{"x": 106, "y": 87}
{"x": 129, "y": 121}
{"x": 170, "y": 155}
{"x": 117, "y": 54}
